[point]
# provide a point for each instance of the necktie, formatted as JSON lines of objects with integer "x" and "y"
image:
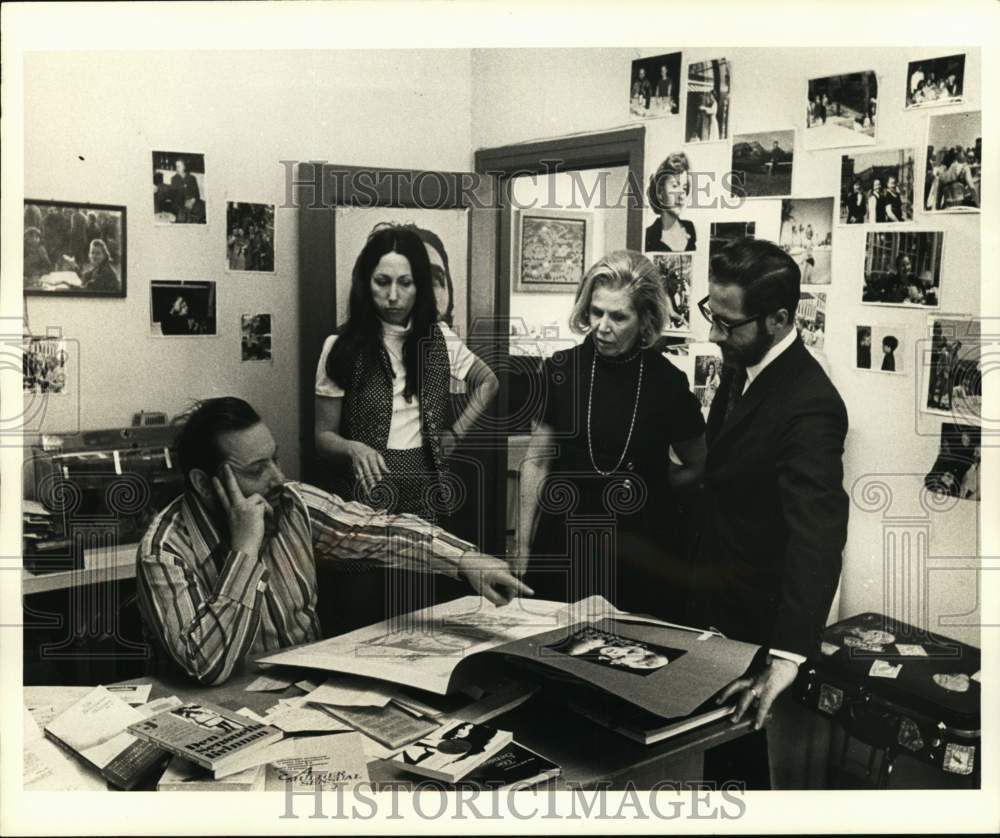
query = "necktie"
{"x": 736, "y": 386}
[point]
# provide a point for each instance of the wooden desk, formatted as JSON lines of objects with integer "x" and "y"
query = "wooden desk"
{"x": 591, "y": 756}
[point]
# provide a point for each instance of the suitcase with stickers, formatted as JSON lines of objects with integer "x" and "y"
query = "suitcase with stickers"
{"x": 901, "y": 690}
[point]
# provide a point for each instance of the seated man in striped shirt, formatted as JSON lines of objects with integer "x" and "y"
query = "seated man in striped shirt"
{"x": 228, "y": 569}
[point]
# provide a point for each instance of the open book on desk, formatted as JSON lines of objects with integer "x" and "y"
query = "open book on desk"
{"x": 663, "y": 668}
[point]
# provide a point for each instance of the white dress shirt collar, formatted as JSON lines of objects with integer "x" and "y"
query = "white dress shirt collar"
{"x": 772, "y": 354}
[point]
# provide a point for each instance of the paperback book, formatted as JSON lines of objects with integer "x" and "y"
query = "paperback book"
{"x": 207, "y": 735}
{"x": 452, "y": 752}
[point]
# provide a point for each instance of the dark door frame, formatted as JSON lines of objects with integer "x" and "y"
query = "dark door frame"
{"x": 625, "y": 147}
{"x": 318, "y": 189}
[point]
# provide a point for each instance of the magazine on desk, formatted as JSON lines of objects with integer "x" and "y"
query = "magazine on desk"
{"x": 663, "y": 668}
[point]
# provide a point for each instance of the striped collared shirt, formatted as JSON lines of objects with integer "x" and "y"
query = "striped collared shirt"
{"x": 209, "y": 606}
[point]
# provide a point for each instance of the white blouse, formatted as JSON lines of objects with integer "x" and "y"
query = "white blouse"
{"x": 404, "y": 429}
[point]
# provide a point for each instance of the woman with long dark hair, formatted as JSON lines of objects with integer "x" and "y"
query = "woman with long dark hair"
{"x": 383, "y": 380}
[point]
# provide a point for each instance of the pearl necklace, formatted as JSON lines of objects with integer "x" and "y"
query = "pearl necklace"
{"x": 631, "y": 427}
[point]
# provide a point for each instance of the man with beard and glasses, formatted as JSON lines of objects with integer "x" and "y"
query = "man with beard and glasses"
{"x": 228, "y": 569}
{"x": 767, "y": 556}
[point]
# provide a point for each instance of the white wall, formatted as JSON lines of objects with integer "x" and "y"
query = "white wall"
{"x": 526, "y": 95}
{"x": 91, "y": 122}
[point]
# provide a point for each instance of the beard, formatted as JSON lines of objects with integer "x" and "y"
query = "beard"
{"x": 749, "y": 354}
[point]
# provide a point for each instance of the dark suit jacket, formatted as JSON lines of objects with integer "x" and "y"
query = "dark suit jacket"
{"x": 768, "y": 553}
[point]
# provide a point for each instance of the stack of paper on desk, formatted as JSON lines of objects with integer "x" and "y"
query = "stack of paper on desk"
{"x": 666, "y": 669}
{"x": 49, "y": 768}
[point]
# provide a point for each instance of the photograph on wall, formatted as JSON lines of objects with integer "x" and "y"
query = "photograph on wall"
{"x": 250, "y": 237}
{"x": 709, "y": 86}
{"x": 762, "y": 164}
{"x": 807, "y": 236}
{"x": 675, "y": 273}
{"x": 44, "y": 365}
{"x": 182, "y": 308}
{"x": 723, "y": 232}
{"x": 810, "y": 319}
{"x": 955, "y": 472}
{"x": 74, "y": 249}
{"x": 255, "y": 337}
{"x": 621, "y": 653}
{"x": 953, "y": 175}
{"x": 935, "y": 81}
{"x": 953, "y": 383}
{"x": 552, "y": 249}
{"x": 903, "y": 269}
{"x": 707, "y": 378}
{"x": 179, "y": 188}
{"x": 876, "y": 187}
{"x": 881, "y": 348}
{"x": 668, "y": 193}
{"x": 445, "y": 234}
{"x": 841, "y": 110}
{"x": 654, "y": 86}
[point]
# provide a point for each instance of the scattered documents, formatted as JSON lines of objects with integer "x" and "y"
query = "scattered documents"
{"x": 269, "y": 683}
{"x": 321, "y": 761}
{"x": 350, "y": 691}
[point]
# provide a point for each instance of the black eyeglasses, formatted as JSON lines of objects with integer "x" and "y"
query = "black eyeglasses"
{"x": 722, "y": 325}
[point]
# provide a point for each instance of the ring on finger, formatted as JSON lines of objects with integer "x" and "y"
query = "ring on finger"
{"x": 754, "y": 692}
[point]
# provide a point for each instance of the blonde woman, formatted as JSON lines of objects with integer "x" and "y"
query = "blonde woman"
{"x": 613, "y": 409}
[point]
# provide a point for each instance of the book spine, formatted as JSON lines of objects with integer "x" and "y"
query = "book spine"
{"x": 177, "y": 750}
{"x": 135, "y": 763}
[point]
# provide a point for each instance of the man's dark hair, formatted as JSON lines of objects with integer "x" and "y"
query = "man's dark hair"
{"x": 198, "y": 441}
{"x": 768, "y": 276}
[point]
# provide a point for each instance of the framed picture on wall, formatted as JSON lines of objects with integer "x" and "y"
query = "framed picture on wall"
{"x": 903, "y": 269}
{"x": 250, "y": 237}
{"x": 935, "y": 81}
{"x": 182, "y": 308}
{"x": 953, "y": 174}
{"x": 74, "y": 249}
{"x": 179, "y": 188}
{"x": 552, "y": 249}
{"x": 953, "y": 381}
